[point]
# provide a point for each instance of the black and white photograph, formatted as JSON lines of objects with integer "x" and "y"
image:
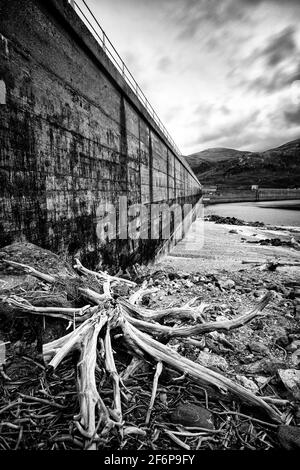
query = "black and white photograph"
{"x": 150, "y": 228}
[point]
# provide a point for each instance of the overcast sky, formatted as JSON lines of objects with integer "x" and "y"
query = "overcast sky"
{"x": 218, "y": 72}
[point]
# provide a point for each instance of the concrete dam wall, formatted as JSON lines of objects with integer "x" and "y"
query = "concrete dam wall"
{"x": 261, "y": 194}
{"x": 74, "y": 139}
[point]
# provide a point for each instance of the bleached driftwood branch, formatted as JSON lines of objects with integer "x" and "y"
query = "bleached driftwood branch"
{"x": 195, "y": 330}
{"x": 200, "y": 374}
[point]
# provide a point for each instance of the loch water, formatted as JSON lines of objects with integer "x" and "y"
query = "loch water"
{"x": 285, "y": 213}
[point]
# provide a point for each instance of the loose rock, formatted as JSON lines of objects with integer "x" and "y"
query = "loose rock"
{"x": 247, "y": 383}
{"x": 291, "y": 380}
{"x": 227, "y": 284}
{"x": 212, "y": 361}
{"x": 289, "y": 437}
{"x": 282, "y": 341}
{"x": 258, "y": 348}
{"x": 263, "y": 366}
{"x": 294, "y": 346}
{"x": 192, "y": 415}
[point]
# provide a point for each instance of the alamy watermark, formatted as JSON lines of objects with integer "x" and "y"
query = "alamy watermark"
{"x": 155, "y": 221}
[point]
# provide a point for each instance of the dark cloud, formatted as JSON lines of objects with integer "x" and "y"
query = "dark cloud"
{"x": 228, "y": 50}
{"x": 280, "y": 2}
{"x": 203, "y": 109}
{"x": 192, "y": 14}
{"x": 280, "y": 46}
{"x": 206, "y": 110}
{"x": 266, "y": 83}
{"x": 272, "y": 82}
{"x": 250, "y": 2}
{"x": 196, "y": 13}
{"x": 164, "y": 64}
{"x": 250, "y": 140}
{"x": 225, "y": 109}
{"x": 292, "y": 117}
{"x": 296, "y": 75}
{"x": 231, "y": 132}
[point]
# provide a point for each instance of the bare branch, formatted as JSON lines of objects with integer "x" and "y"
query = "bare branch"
{"x": 195, "y": 330}
{"x": 200, "y": 374}
{"x": 101, "y": 274}
{"x": 159, "y": 368}
{"x": 175, "y": 312}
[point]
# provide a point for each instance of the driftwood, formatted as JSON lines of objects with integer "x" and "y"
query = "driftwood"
{"x": 159, "y": 368}
{"x": 84, "y": 339}
{"x": 195, "y": 330}
{"x": 79, "y": 314}
{"x": 199, "y": 373}
{"x": 136, "y": 296}
{"x": 278, "y": 262}
{"x": 111, "y": 369}
{"x": 89, "y": 294}
{"x": 132, "y": 368}
{"x": 180, "y": 313}
{"x": 270, "y": 265}
{"x": 102, "y": 275}
{"x": 94, "y": 334}
{"x": 30, "y": 270}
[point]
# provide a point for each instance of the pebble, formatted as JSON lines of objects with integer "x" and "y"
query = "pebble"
{"x": 212, "y": 361}
{"x": 18, "y": 347}
{"x": 221, "y": 318}
{"x": 264, "y": 366}
{"x": 282, "y": 341}
{"x": 245, "y": 359}
{"x": 188, "y": 284}
{"x": 259, "y": 292}
{"x": 173, "y": 276}
{"x": 297, "y": 415}
{"x": 258, "y": 348}
{"x": 294, "y": 346}
{"x": 192, "y": 415}
{"x": 163, "y": 398}
{"x": 184, "y": 275}
{"x": 227, "y": 284}
{"x": 295, "y": 358}
{"x": 293, "y": 336}
{"x": 291, "y": 380}
{"x": 121, "y": 290}
{"x": 289, "y": 437}
{"x": 258, "y": 324}
{"x": 261, "y": 381}
{"x": 247, "y": 383}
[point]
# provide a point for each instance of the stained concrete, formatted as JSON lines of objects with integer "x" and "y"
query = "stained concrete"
{"x": 74, "y": 137}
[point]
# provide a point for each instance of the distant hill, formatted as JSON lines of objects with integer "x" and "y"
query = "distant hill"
{"x": 278, "y": 167}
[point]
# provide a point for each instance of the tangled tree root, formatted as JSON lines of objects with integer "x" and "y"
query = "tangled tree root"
{"x": 93, "y": 327}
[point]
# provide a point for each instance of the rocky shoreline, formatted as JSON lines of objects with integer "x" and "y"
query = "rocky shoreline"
{"x": 262, "y": 356}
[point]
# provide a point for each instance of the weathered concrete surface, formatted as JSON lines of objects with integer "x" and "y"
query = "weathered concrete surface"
{"x": 74, "y": 136}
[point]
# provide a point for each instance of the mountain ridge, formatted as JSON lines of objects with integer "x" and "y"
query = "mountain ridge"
{"x": 276, "y": 167}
